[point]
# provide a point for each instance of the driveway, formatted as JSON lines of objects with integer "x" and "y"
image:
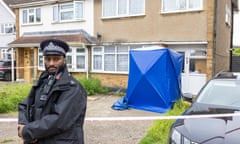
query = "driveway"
{"x": 97, "y": 131}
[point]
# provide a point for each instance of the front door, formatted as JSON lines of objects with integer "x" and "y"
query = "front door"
{"x": 193, "y": 70}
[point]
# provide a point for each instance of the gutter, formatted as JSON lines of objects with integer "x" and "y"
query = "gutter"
{"x": 24, "y": 45}
{"x": 155, "y": 43}
{"x": 37, "y": 3}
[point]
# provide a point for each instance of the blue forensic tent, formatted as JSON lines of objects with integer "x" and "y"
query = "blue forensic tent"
{"x": 154, "y": 81}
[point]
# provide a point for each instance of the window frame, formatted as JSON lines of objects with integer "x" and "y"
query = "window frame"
{"x": 179, "y": 10}
{"x": 102, "y": 53}
{"x": 25, "y": 20}
{"x": 57, "y": 11}
{"x": 118, "y": 14}
{"x": 5, "y": 26}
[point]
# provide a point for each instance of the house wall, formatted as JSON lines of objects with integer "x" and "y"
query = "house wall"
{"x": 188, "y": 26}
{"x": 154, "y": 26}
{"x": 223, "y": 38}
{"x": 24, "y": 54}
{"x": 6, "y": 16}
{"x": 48, "y": 25}
{"x": 210, "y": 36}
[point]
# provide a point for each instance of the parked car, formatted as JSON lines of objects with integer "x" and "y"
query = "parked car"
{"x": 6, "y": 70}
{"x": 221, "y": 95}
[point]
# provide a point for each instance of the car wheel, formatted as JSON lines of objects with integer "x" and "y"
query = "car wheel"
{"x": 7, "y": 77}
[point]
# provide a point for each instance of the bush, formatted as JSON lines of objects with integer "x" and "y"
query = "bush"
{"x": 92, "y": 86}
{"x": 236, "y": 52}
{"x": 11, "y": 94}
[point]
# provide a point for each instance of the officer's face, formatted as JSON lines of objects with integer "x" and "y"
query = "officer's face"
{"x": 53, "y": 62}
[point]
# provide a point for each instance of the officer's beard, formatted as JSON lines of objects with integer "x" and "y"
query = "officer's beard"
{"x": 58, "y": 69}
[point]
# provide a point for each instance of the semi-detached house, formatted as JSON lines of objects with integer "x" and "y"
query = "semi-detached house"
{"x": 7, "y": 30}
{"x": 101, "y": 32}
{"x": 36, "y": 20}
{"x": 199, "y": 29}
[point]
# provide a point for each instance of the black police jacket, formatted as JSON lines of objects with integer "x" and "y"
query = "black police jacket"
{"x": 59, "y": 117}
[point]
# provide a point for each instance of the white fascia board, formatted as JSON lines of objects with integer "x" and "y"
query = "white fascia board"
{"x": 24, "y": 5}
{"x": 7, "y": 8}
{"x": 24, "y": 45}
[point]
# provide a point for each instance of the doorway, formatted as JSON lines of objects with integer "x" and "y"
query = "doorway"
{"x": 193, "y": 70}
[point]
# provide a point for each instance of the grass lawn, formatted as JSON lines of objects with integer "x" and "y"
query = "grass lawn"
{"x": 158, "y": 132}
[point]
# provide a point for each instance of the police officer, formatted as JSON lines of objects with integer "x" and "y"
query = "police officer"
{"x": 54, "y": 111}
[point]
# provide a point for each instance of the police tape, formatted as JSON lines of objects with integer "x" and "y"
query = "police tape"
{"x": 142, "y": 118}
{"x": 23, "y": 67}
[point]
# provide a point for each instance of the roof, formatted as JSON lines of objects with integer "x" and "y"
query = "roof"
{"x": 72, "y": 37}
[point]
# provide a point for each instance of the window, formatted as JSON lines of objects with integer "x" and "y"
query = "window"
{"x": 76, "y": 59}
{"x": 121, "y": 8}
{"x": 40, "y": 59}
{"x": 7, "y": 28}
{"x": 181, "y": 5}
{"x": 68, "y": 11}
{"x": 111, "y": 58}
{"x": 31, "y": 16}
{"x": 5, "y": 54}
{"x": 197, "y": 61}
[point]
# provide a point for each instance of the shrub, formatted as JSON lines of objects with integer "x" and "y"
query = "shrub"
{"x": 92, "y": 86}
{"x": 11, "y": 94}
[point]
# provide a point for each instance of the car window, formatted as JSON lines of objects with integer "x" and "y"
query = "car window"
{"x": 221, "y": 92}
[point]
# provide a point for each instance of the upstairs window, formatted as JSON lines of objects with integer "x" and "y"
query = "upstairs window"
{"x": 68, "y": 11}
{"x": 8, "y": 28}
{"x": 121, "y": 8}
{"x": 31, "y": 16}
{"x": 181, "y": 5}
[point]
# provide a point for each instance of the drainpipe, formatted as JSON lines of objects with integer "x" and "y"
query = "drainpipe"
{"x": 12, "y": 63}
{"x": 231, "y": 42}
{"x": 214, "y": 36}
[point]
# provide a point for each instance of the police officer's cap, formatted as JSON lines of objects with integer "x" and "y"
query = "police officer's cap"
{"x": 54, "y": 47}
